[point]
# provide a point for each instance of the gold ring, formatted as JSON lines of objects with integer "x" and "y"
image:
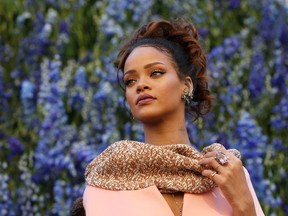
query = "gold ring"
{"x": 213, "y": 174}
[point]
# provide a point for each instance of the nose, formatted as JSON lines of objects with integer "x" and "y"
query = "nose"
{"x": 142, "y": 87}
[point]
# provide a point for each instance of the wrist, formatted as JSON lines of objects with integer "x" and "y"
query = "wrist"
{"x": 246, "y": 208}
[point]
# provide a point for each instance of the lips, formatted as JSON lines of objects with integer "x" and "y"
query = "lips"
{"x": 144, "y": 99}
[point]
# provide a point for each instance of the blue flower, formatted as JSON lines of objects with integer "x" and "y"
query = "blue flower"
{"x": 203, "y": 32}
{"x": 272, "y": 18}
{"x": 284, "y": 36}
{"x": 280, "y": 119}
{"x": 3, "y": 93}
{"x": 231, "y": 46}
{"x": 80, "y": 78}
{"x": 278, "y": 145}
{"x": 64, "y": 27}
{"x": 6, "y": 203}
{"x": 280, "y": 75}
{"x": 234, "y": 4}
{"x": 16, "y": 147}
{"x": 251, "y": 142}
{"x": 257, "y": 76}
{"x": 77, "y": 100}
{"x": 27, "y": 90}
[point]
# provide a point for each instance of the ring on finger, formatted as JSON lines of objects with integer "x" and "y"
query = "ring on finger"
{"x": 213, "y": 174}
{"x": 221, "y": 158}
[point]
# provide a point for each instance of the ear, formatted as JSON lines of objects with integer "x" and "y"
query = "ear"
{"x": 189, "y": 83}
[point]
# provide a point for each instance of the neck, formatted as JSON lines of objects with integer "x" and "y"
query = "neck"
{"x": 166, "y": 132}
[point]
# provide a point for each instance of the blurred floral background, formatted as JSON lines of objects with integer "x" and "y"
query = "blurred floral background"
{"x": 60, "y": 104}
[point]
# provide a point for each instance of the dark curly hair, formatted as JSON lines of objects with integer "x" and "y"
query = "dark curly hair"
{"x": 178, "y": 39}
{"x": 78, "y": 208}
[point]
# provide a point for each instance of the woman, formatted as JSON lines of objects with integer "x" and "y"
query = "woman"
{"x": 163, "y": 68}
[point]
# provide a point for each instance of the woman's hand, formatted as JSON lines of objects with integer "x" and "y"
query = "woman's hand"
{"x": 230, "y": 178}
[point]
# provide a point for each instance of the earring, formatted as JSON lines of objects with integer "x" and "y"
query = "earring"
{"x": 187, "y": 97}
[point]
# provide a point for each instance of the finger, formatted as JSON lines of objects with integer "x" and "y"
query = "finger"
{"x": 210, "y": 174}
{"x": 232, "y": 154}
{"x": 218, "y": 147}
{"x": 217, "y": 167}
{"x": 221, "y": 158}
{"x": 222, "y": 148}
{"x": 213, "y": 149}
{"x": 210, "y": 154}
{"x": 210, "y": 162}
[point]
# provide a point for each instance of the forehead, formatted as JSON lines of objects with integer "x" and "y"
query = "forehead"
{"x": 146, "y": 54}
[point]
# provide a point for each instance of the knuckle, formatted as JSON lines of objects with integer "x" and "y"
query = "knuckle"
{"x": 206, "y": 173}
{"x": 223, "y": 181}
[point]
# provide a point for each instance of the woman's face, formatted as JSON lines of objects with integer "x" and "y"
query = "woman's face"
{"x": 153, "y": 87}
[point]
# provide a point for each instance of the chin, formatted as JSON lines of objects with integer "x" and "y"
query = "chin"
{"x": 149, "y": 118}
{"x": 155, "y": 115}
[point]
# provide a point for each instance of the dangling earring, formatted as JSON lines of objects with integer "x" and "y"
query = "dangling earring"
{"x": 187, "y": 97}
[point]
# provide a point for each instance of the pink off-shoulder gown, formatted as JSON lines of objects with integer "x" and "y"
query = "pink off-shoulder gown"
{"x": 150, "y": 202}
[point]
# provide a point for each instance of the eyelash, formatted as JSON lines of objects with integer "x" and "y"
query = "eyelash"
{"x": 157, "y": 71}
{"x": 153, "y": 73}
{"x": 128, "y": 82}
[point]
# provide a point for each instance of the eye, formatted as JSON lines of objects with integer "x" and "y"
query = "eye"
{"x": 129, "y": 82}
{"x": 157, "y": 73}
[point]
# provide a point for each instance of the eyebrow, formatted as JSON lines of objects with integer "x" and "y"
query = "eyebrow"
{"x": 145, "y": 67}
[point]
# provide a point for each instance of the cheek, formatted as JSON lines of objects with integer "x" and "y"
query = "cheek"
{"x": 129, "y": 99}
{"x": 173, "y": 89}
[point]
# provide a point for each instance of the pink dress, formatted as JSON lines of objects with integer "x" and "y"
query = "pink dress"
{"x": 150, "y": 202}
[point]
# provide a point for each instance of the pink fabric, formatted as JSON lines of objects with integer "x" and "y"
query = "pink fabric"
{"x": 144, "y": 202}
{"x": 149, "y": 201}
